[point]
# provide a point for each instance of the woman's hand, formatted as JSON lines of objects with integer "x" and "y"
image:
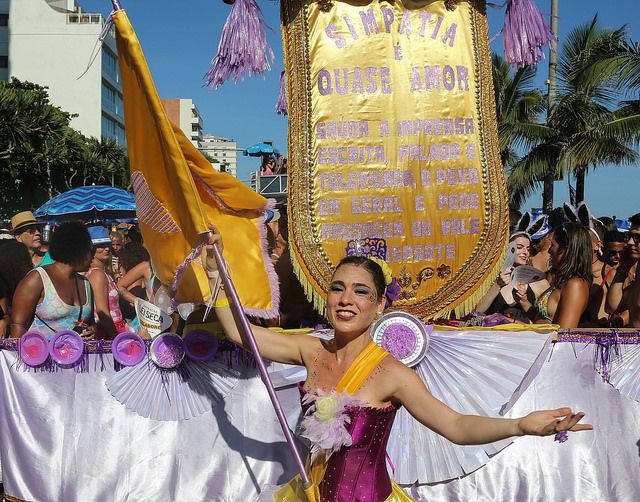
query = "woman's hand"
{"x": 520, "y": 296}
{"x": 549, "y": 422}
{"x": 214, "y": 238}
{"x": 504, "y": 278}
{"x": 88, "y": 333}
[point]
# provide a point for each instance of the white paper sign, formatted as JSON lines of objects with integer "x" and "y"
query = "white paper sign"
{"x": 526, "y": 274}
{"x": 151, "y": 317}
{"x": 509, "y": 257}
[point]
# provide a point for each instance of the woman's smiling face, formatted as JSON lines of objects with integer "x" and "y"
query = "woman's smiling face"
{"x": 523, "y": 250}
{"x": 352, "y": 302}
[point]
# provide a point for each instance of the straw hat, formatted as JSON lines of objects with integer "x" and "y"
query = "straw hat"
{"x": 22, "y": 221}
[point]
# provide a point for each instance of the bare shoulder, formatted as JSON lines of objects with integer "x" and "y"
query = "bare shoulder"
{"x": 97, "y": 278}
{"x": 31, "y": 280}
{"x": 576, "y": 285}
{"x": 310, "y": 345}
{"x": 391, "y": 375}
{"x": 540, "y": 287}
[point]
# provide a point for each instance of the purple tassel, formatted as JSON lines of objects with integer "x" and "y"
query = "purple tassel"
{"x": 608, "y": 348}
{"x": 525, "y": 32}
{"x": 243, "y": 46}
{"x": 281, "y": 105}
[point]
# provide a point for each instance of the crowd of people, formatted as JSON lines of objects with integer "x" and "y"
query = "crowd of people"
{"x": 87, "y": 278}
{"x": 590, "y": 274}
{"x": 74, "y": 277}
{"x": 273, "y": 165}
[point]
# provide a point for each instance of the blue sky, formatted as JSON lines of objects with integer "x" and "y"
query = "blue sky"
{"x": 179, "y": 38}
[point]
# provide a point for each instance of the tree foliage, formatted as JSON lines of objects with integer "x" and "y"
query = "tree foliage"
{"x": 42, "y": 156}
{"x": 588, "y": 126}
{"x": 519, "y": 105}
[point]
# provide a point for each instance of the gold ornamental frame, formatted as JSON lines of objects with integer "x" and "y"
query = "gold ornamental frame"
{"x": 462, "y": 291}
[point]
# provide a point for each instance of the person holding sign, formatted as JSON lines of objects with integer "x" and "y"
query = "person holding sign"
{"x": 516, "y": 273}
{"x": 354, "y": 389}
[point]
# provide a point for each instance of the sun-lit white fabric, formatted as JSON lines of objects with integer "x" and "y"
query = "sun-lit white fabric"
{"x": 475, "y": 373}
{"x": 625, "y": 371}
{"x": 65, "y": 438}
{"x": 596, "y": 466}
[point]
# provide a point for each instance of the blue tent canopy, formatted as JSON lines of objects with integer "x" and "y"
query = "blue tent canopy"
{"x": 89, "y": 203}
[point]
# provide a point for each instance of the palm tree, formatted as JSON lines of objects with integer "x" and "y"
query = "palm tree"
{"x": 587, "y": 127}
{"x": 518, "y": 108}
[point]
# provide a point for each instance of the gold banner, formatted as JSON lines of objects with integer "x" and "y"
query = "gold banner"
{"x": 392, "y": 136}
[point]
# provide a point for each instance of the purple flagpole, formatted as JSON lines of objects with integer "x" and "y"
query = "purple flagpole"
{"x": 116, "y": 5}
{"x": 248, "y": 335}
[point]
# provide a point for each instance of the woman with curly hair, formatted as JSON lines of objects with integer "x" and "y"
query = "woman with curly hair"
{"x": 57, "y": 296}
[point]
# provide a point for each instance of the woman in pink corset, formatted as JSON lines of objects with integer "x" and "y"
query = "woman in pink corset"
{"x": 354, "y": 388}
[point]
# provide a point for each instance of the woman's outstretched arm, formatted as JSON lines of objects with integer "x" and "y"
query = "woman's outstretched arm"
{"x": 411, "y": 392}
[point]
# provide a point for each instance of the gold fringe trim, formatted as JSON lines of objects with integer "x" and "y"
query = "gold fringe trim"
{"x": 317, "y": 299}
{"x": 512, "y": 327}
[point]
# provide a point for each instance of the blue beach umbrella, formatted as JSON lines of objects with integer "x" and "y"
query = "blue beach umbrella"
{"x": 260, "y": 149}
{"x": 89, "y": 203}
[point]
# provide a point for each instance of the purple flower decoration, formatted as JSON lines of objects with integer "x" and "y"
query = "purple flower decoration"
{"x": 392, "y": 292}
{"x": 561, "y": 437}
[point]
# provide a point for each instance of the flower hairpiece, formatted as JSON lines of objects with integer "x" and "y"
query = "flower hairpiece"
{"x": 392, "y": 290}
{"x": 388, "y": 276}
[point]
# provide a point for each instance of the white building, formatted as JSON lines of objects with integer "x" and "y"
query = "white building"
{"x": 185, "y": 114}
{"x": 50, "y": 42}
{"x": 223, "y": 149}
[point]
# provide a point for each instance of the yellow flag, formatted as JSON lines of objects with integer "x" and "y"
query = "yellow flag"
{"x": 178, "y": 192}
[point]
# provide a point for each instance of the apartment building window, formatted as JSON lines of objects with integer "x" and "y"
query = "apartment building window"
{"x": 110, "y": 64}
{"x": 109, "y": 97}
{"x": 121, "y": 137}
{"x": 119, "y": 105}
{"x": 4, "y": 19}
{"x": 4, "y": 61}
{"x": 108, "y": 128}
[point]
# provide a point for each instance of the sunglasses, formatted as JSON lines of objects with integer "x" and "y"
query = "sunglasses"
{"x": 614, "y": 252}
{"x": 634, "y": 236}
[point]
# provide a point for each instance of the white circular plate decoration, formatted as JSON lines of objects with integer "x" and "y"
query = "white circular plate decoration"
{"x": 403, "y": 335}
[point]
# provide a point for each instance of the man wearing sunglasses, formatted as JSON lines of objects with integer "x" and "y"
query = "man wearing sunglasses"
{"x": 621, "y": 297}
{"x": 26, "y": 229}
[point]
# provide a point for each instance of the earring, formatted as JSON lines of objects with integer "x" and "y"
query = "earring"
{"x": 378, "y": 314}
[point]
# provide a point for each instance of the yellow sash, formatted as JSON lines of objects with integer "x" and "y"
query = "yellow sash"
{"x": 351, "y": 381}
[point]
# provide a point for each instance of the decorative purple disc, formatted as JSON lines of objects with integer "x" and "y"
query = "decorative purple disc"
{"x": 66, "y": 347}
{"x": 128, "y": 348}
{"x": 399, "y": 340}
{"x": 33, "y": 348}
{"x": 404, "y": 336}
{"x": 167, "y": 350}
{"x": 201, "y": 345}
